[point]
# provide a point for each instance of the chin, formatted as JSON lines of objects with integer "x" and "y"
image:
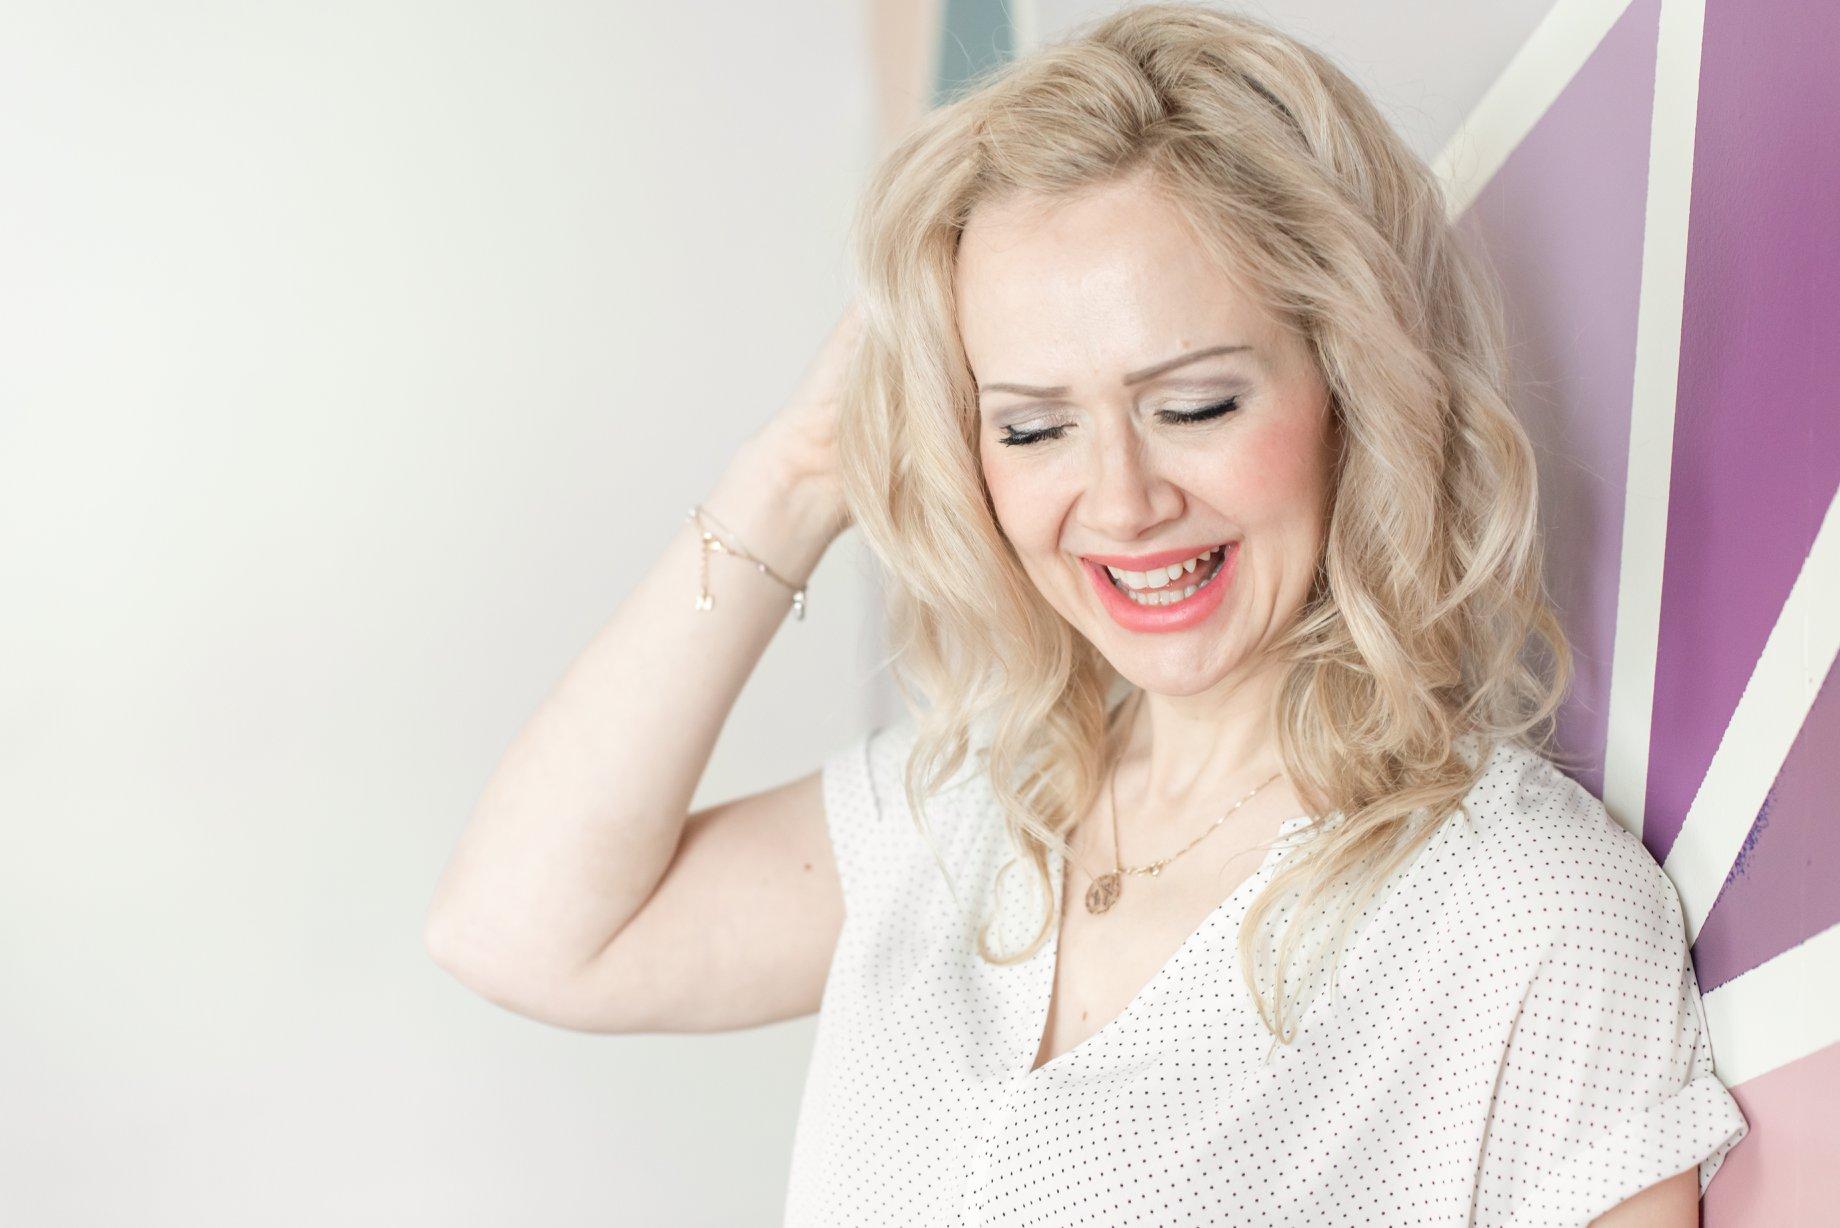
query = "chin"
{"x": 1175, "y": 682}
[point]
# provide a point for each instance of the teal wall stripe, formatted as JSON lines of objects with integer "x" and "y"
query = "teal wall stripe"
{"x": 974, "y": 36}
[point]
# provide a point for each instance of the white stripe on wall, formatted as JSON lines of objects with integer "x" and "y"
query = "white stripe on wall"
{"x": 1651, "y": 417}
{"x": 1796, "y": 659}
{"x": 1784, "y": 1009}
{"x": 1024, "y": 26}
{"x": 1526, "y": 89}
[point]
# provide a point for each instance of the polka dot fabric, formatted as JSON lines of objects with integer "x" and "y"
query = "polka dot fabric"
{"x": 1515, "y": 1037}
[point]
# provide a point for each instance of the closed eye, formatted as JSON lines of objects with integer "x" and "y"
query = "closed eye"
{"x": 1013, "y": 437}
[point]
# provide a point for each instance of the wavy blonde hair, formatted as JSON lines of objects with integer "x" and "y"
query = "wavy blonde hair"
{"x": 1428, "y": 600}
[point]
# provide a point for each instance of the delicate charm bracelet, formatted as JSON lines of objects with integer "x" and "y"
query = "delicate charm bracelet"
{"x": 712, "y": 544}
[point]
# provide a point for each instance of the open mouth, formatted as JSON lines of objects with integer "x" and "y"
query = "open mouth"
{"x": 1162, "y": 586}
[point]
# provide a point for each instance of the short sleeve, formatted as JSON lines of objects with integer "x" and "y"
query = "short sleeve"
{"x": 862, "y": 783}
{"x": 1606, "y": 1085}
{"x": 849, "y": 805}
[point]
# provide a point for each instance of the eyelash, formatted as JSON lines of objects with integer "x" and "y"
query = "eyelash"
{"x": 1017, "y": 438}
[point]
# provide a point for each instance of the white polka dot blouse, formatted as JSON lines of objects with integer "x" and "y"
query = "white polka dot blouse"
{"x": 1515, "y": 1036}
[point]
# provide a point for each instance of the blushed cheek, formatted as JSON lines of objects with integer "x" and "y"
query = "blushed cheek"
{"x": 1279, "y": 470}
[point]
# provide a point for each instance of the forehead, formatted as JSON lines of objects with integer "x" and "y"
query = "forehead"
{"x": 1105, "y": 281}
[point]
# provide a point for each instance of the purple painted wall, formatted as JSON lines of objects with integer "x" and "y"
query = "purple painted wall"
{"x": 1562, "y": 222}
{"x": 1757, "y": 429}
{"x": 1754, "y": 469}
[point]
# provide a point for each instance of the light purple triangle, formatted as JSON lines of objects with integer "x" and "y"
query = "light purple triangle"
{"x": 1562, "y": 221}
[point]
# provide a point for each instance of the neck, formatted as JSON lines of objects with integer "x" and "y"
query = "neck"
{"x": 1186, "y": 754}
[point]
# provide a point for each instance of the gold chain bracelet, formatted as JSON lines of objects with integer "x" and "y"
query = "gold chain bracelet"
{"x": 711, "y": 544}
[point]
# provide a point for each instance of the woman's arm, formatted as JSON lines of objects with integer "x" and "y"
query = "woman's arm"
{"x": 1673, "y": 1203}
{"x": 582, "y": 817}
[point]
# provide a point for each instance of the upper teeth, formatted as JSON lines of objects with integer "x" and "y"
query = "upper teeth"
{"x": 1156, "y": 577}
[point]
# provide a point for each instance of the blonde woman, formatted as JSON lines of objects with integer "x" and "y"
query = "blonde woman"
{"x": 1217, "y": 873}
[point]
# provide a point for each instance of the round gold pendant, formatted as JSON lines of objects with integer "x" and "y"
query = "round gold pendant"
{"x": 1103, "y": 893}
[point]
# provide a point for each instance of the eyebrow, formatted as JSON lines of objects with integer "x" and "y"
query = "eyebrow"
{"x": 1135, "y": 377}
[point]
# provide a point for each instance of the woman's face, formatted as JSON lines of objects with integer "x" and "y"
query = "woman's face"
{"x": 1092, "y": 328}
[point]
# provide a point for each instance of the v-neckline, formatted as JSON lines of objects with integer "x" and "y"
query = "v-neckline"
{"x": 1043, "y": 1000}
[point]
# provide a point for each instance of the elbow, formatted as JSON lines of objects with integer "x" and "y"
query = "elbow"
{"x": 437, "y": 940}
{"x": 442, "y": 940}
{"x": 458, "y": 947}
{"x": 508, "y": 981}
{"x": 476, "y": 970}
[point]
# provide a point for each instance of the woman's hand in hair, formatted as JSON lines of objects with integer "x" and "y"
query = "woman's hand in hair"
{"x": 801, "y": 439}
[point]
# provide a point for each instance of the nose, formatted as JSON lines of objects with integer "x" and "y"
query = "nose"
{"x": 1126, "y": 496}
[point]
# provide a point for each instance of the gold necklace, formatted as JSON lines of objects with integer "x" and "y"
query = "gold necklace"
{"x": 1106, "y": 887}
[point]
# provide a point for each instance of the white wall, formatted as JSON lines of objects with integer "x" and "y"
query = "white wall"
{"x": 355, "y": 357}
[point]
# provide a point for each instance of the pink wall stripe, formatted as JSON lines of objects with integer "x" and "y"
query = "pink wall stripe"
{"x": 1784, "y": 1171}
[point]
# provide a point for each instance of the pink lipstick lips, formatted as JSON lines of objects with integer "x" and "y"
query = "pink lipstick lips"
{"x": 1177, "y": 616}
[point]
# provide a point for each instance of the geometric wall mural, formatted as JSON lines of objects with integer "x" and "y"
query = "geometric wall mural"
{"x": 1658, "y": 185}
